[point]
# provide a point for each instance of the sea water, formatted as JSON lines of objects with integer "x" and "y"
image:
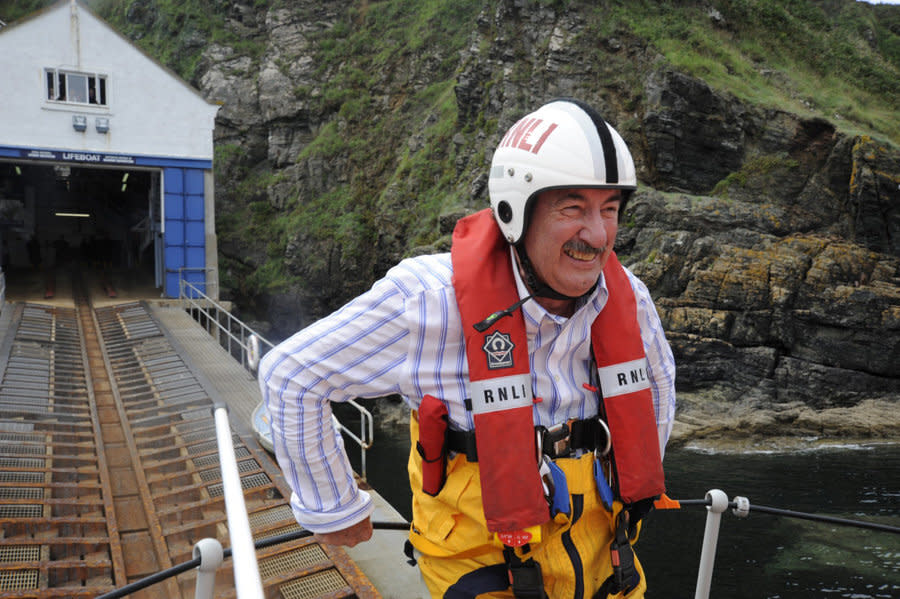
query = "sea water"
{"x": 775, "y": 557}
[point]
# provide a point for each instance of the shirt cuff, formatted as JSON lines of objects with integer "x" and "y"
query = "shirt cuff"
{"x": 323, "y": 522}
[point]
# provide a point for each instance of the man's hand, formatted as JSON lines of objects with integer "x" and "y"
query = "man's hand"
{"x": 349, "y": 537}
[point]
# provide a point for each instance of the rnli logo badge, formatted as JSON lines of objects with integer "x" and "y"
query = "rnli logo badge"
{"x": 498, "y": 347}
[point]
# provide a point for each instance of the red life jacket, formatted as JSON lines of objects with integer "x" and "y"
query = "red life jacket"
{"x": 500, "y": 382}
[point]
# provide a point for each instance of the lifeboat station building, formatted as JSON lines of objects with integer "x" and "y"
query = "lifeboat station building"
{"x": 105, "y": 158}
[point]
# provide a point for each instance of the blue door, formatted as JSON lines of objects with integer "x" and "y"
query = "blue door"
{"x": 185, "y": 232}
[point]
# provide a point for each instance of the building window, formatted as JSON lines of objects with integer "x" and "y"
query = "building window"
{"x": 76, "y": 88}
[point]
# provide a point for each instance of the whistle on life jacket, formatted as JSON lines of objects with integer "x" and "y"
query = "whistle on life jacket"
{"x": 432, "y": 444}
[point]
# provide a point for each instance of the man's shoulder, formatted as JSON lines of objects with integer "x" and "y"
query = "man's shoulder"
{"x": 422, "y": 273}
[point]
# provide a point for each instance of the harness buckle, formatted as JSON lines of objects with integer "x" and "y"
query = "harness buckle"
{"x": 557, "y": 441}
{"x": 625, "y": 575}
{"x": 526, "y": 580}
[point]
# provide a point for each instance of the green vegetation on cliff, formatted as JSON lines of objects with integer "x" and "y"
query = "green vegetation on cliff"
{"x": 391, "y": 146}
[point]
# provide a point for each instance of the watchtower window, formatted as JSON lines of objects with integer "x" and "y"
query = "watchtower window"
{"x": 75, "y": 88}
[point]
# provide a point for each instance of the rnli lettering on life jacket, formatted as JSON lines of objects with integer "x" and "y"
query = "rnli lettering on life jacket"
{"x": 504, "y": 393}
{"x": 626, "y": 377}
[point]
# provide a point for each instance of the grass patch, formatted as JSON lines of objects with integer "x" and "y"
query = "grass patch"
{"x": 836, "y": 59}
{"x": 754, "y": 172}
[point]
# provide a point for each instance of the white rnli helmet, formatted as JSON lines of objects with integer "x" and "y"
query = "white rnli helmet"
{"x": 562, "y": 144}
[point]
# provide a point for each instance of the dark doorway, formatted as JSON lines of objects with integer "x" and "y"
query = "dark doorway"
{"x": 58, "y": 219}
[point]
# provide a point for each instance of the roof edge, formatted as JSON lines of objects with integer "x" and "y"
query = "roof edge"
{"x": 83, "y": 6}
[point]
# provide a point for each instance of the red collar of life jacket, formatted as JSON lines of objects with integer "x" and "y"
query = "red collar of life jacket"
{"x": 501, "y": 390}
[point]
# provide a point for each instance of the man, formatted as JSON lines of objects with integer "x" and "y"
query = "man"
{"x": 539, "y": 377}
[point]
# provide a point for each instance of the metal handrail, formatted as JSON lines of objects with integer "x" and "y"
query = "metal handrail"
{"x": 238, "y": 338}
{"x": 198, "y": 305}
{"x": 247, "y": 582}
{"x": 210, "y": 278}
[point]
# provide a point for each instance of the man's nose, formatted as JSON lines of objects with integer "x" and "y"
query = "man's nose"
{"x": 594, "y": 229}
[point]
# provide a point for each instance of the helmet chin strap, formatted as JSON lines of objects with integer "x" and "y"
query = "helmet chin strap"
{"x": 538, "y": 287}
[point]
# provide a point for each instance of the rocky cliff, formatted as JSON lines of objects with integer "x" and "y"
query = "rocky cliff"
{"x": 769, "y": 232}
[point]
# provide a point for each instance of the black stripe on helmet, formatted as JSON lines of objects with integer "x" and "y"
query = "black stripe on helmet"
{"x": 606, "y": 140}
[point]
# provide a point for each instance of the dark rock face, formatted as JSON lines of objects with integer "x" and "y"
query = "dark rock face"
{"x": 694, "y": 137}
{"x": 781, "y": 301}
{"x": 770, "y": 241}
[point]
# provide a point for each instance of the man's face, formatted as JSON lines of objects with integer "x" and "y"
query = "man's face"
{"x": 570, "y": 236}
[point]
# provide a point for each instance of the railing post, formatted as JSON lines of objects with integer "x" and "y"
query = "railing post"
{"x": 718, "y": 504}
{"x": 211, "y": 555}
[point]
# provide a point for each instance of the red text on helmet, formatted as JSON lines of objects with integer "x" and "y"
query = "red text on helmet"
{"x": 522, "y": 133}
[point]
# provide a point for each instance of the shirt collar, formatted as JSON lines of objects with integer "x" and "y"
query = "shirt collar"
{"x": 534, "y": 312}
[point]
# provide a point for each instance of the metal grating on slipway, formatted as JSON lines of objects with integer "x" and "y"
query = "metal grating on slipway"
{"x": 109, "y": 468}
{"x": 314, "y": 585}
{"x": 271, "y": 516}
{"x": 20, "y": 511}
{"x": 18, "y": 580}
{"x": 209, "y": 460}
{"x": 21, "y": 477}
{"x": 169, "y": 414}
{"x": 293, "y": 561}
{"x": 21, "y": 463}
{"x": 247, "y": 482}
{"x": 20, "y": 553}
{"x": 21, "y": 493}
{"x": 244, "y": 467}
{"x": 47, "y": 456}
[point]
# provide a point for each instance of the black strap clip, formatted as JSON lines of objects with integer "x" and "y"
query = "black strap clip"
{"x": 625, "y": 574}
{"x": 525, "y": 577}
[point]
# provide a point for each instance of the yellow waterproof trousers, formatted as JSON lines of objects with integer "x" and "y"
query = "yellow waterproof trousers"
{"x": 459, "y": 557}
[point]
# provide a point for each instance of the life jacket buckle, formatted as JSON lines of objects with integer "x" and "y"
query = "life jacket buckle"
{"x": 527, "y": 581}
{"x": 556, "y": 440}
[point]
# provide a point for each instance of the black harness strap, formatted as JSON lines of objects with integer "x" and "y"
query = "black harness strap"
{"x": 625, "y": 576}
{"x": 585, "y": 434}
{"x": 477, "y": 582}
{"x": 525, "y": 577}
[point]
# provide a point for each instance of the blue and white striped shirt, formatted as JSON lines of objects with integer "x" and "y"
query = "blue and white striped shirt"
{"x": 404, "y": 337}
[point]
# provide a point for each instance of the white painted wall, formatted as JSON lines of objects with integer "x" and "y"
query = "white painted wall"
{"x": 151, "y": 111}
